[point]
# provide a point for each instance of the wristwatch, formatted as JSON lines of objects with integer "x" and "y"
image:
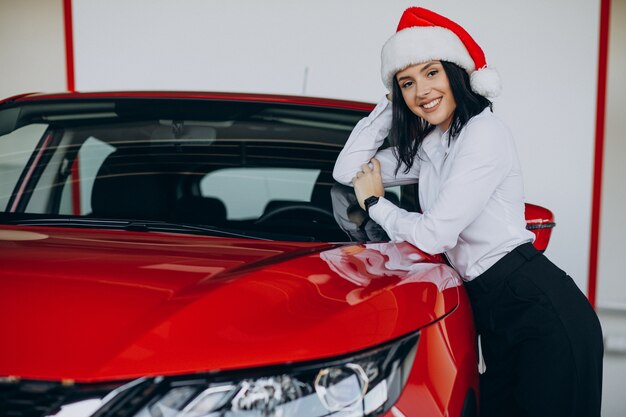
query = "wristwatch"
{"x": 369, "y": 202}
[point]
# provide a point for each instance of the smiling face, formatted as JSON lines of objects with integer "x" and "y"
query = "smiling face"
{"x": 427, "y": 93}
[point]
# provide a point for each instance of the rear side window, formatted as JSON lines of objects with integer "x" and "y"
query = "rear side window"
{"x": 247, "y": 192}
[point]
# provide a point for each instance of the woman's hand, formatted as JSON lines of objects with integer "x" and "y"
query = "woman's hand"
{"x": 368, "y": 182}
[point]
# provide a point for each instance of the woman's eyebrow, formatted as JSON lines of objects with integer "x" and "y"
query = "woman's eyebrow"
{"x": 430, "y": 64}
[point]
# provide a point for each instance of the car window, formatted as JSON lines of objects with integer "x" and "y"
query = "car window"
{"x": 394, "y": 193}
{"x": 15, "y": 150}
{"x": 76, "y": 194}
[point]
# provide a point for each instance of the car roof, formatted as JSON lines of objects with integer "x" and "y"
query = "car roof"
{"x": 247, "y": 97}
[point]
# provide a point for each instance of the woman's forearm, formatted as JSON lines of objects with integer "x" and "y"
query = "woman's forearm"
{"x": 363, "y": 144}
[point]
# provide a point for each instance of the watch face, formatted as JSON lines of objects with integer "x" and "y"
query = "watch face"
{"x": 370, "y": 201}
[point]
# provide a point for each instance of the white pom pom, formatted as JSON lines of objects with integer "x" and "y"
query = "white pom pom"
{"x": 486, "y": 82}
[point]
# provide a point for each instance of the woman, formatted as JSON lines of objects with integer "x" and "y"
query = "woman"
{"x": 541, "y": 340}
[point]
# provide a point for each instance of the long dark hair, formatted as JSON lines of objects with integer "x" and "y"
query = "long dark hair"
{"x": 409, "y": 130}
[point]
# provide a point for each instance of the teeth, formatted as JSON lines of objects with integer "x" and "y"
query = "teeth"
{"x": 432, "y": 103}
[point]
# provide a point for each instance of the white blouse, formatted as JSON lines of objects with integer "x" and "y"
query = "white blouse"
{"x": 471, "y": 190}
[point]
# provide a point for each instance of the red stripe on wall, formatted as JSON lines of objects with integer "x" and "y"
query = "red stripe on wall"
{"x": 605, "y": 12}
{"x": 69, "y": 44}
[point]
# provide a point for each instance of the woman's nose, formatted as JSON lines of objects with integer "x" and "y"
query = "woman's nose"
{"x": 423, "y": 91}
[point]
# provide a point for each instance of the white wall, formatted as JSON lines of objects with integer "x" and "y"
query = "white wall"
{"x": 549, "y": 71}
{"x": 611, "y": 274}
{"x": 32, "y": 48}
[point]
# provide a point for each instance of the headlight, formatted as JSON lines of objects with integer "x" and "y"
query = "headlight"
{"x": 362, "y": 385}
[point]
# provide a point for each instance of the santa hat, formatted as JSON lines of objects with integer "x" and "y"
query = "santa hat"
{"x": 424, "y": 36}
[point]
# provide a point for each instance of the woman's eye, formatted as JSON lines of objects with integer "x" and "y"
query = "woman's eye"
{"x": 432, "y": 73}
{"x": 407, "y": 84}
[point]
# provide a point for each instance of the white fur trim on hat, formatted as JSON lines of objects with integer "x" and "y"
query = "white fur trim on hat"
{"x": 422, "y": 44}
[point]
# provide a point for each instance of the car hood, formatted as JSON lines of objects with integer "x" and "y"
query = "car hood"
{"x": 93, "y": 305}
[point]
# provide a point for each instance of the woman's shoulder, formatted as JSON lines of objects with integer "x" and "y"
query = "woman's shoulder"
{"x": 487, "y": 120}
{"x": 487, "y": 129}
{"x": 487, "y": 123}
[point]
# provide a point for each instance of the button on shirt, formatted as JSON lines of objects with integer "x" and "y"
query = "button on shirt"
{"x": 470, "y": 189}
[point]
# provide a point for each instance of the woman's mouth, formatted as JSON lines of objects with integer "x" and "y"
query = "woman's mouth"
{"x": 431, "y": 104}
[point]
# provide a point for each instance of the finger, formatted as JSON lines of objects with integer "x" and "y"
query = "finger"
{"x": 365, "y": 168}
{"x": 376, "y": 165}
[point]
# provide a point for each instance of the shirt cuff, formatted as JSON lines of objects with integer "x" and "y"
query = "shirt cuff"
{"x": 380, "y": 211}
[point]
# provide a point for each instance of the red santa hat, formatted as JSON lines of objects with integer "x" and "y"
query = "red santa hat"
{"x": 424, "y": 36}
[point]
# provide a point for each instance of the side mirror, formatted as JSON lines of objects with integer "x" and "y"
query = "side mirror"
{"x": 540, "y": 221}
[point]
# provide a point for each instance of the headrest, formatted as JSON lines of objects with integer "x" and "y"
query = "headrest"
{"x": 200, "y": 210}
{"x": 130, "y": 187}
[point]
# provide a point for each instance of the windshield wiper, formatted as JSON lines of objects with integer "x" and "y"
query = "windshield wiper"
{"x": 159, "y": 226}
{"x": 134, "y": 225}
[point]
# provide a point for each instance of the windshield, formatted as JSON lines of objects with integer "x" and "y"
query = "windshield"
{"x": 241, "y": 167}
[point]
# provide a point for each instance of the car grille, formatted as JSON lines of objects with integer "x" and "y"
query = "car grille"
{"x": 19, "y": 398}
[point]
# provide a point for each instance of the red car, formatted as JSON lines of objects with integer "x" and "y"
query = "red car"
{"x": 188, "y": 254}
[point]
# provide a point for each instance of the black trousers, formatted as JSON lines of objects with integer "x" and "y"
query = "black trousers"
{"x": 541, "y": 340}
